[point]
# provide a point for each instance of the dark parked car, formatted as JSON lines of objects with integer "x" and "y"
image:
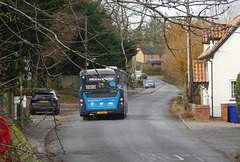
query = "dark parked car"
{"x": 143, "y": 76}
{"x": 45, "y": 100}
{"x": 150, "y": 83}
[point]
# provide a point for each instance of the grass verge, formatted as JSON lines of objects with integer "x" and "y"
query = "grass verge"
{"x": 68, "y": 96}
{"x": 178, "y": 110}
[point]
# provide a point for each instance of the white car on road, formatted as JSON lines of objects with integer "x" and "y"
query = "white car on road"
{"x": 149, "y": 84}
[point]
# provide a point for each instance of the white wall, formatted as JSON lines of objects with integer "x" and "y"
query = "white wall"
{"x": 209, "y": 99}
{"x": 205, "y": 46}
{"x": 226, "y": 66}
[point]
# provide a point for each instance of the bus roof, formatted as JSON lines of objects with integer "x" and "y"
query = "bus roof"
{"x": 98, "y": 71}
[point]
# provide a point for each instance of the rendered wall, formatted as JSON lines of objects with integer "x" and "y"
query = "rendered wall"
{"x": 226, "y": 67}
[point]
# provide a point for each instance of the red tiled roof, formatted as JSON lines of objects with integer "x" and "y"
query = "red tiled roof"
{"x": 216, "y": 32}
{"x": 199, "y": 71}
{"x": 219, "y": 33}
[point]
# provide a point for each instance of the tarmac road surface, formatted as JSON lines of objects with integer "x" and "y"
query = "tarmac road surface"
{"x": 149, "y": 133}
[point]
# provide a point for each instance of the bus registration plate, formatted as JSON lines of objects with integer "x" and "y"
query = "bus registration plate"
{"x": 101, "y": 112}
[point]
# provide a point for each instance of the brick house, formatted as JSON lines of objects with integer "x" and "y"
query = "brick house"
{"x": 150, "y": 54}
{"x": 216, "y": 69}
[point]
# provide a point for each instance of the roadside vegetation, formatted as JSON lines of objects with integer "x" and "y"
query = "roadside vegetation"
{"x": 179, "y": 109}
{"x": 68, "y": 95}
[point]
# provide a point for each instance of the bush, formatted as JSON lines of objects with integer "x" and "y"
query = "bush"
{"x": 70, "y": 92}
{"x": 68, "y": 95}
{"x": 237, "y": 93}
{"x": 140, "y": 83}
{"x": 178, "y": 99}
{"x": 152, "y": 70}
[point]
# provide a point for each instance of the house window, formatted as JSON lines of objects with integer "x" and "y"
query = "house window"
{"x": 150, "y": 56}
{"x": 232, "y": 89}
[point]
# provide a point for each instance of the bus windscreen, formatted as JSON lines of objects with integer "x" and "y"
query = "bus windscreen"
{"x": 104, "y": 86}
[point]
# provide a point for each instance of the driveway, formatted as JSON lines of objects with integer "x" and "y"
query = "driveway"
{"x": 222, "y": 136}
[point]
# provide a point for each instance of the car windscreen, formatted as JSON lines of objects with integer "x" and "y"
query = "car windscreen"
{"x": 150, "y": 81}
{"x": 44, "y": 96}
{"x": 100, "y": 86}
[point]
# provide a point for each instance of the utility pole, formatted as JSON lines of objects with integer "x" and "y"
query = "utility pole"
{"x": 189, "y": 53}
{"x": 21, "y": 100}
{"x": 85, "y": 42}
{"x": 133, "y": 66}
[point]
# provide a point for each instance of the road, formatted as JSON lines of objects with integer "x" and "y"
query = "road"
{"x": 149, "y": 133}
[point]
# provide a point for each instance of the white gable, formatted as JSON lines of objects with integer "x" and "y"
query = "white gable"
{"x": 226, "y": 66}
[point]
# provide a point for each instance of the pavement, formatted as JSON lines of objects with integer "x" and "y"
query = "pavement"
{"x": 42, "y": 125}
{"x": 222, "y": 136}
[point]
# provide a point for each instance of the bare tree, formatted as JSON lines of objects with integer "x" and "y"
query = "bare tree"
{"x": 172, "y": 11}
{"x": 181, "y": 13}
{"x": 232, "y": 10}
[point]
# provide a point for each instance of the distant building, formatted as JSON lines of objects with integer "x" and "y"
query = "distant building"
{"x": 150, "y": 54}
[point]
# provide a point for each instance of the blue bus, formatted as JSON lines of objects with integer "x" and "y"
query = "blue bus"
{"x": 102, "y": 92}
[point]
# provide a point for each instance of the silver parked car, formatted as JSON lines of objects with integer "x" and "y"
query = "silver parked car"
{"x": 149, "y": 84}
